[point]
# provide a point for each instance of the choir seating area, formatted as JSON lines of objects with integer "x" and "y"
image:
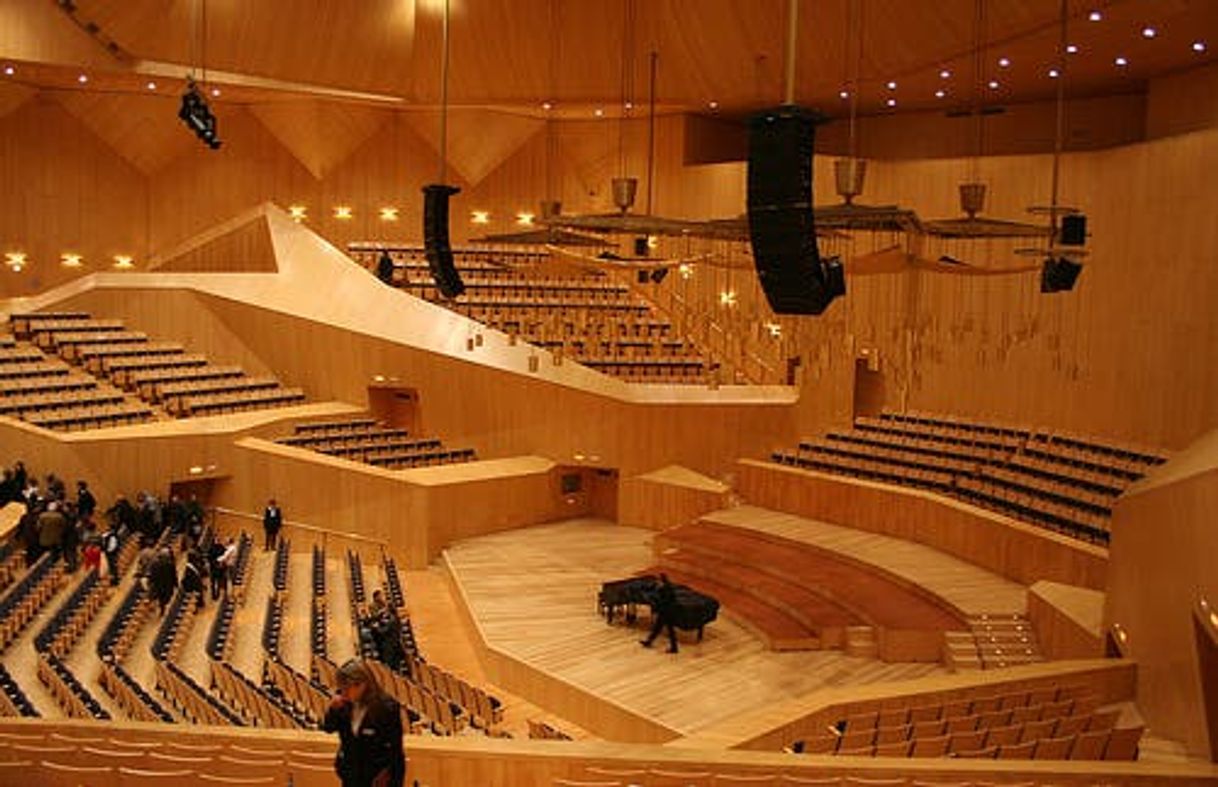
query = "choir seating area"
{"x": 797, "y": 596}
{"x": 133, "y": 375}
{"x": 365, "y": 440}
{"x": 1061, "y": 481}
{"x": 587, "y": 319}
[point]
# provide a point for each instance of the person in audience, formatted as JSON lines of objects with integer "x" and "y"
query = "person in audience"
{"x": 162, "y": 577}
{"x": 31, "y": 494}
{"x": 109, "y": 547}
{"x": 663, "y": 612}
{"x": 51, "y": 526}
{"x": 8, "y": 487}
{"x": 27, "y": 527}
{"x": 384, "y": 268}
{"x": 86, "y": 503}
{"x": 192, "y": 577}
{"x": 55, "y": 488}
{"x": 369, "y": 726}
{"x": 194, "y": 520}
{"x": 70, "y": 545}
{"x": 226, "y": 563}
{"x": 378, "y": 604}
{"x": 387, "y": 634}
{"x": 122, "y": 515}
{"x": 19, "y": 476}
{"x": 92, "y": 555}
{"x": 217, "y": 576}
{"x": 272, "y": 522}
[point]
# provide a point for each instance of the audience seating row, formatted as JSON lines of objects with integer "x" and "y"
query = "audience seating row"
{"x": 363, "y": 440}
{"x": 25, "y": 599}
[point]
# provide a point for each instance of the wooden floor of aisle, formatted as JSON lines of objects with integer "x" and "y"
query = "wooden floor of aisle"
{"x": 533, "y": 592}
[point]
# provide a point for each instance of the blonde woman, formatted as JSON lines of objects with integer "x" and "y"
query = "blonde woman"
{"x": 369, "y": 726}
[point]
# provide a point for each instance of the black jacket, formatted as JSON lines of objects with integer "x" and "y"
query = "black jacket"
{"x": 376, "y": 747}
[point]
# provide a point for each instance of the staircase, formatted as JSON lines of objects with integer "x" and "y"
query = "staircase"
{"x": 992, "y": 642}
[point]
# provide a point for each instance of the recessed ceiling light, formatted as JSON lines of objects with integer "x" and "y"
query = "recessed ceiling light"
{"x": 892, "y": 85}
{"x": 1054, "y": 73}
{"x": 70, "y": 260}
{"x": 993, "y": 84}
{"x": 9, "y": 71}
{"x": 629, "y": 105}
{"x": 1198, "y": 46}
{"x": 940, "y": 93}
{"x": 1095, "y": 16}
{"x": 1120, "y": 61}
{"x": 83, "y": 78}
{"x": 1071, "y": 49}
{"x": 1149, "y": 32}
{"x": 1004, "y": 62}
{"x": 599, "y": 112}
{"x": 547, "y": 106}
{"x": 215, "y": 91}
{"x": 151, "y": 86}
{"x": 892, "y": 102}
{"x": 945, "y": 74}
{"x": 844, "y": 94}
{"x": 713, "y": 105}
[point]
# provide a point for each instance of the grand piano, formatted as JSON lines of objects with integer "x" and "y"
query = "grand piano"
{"x": 693, "y": 609}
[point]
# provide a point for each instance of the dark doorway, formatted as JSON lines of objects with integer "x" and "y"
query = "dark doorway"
{"x": 396, "y": 407}
{"x": 869, "y": 389}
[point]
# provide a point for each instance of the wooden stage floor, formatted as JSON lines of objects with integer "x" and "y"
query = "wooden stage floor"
{"x": 533, "y": 592}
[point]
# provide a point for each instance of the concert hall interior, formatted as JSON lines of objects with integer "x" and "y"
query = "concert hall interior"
{"x": 676, "y": 393}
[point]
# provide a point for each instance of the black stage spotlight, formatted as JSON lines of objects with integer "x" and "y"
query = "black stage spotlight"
{"x": 658, "y": 275}
{"x": 1058, "y": 274}
{"x": 197, "y": 116}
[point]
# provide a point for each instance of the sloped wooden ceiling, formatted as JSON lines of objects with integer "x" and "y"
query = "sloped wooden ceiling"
{"x": 319, "y": 134}
{"x": 144, "y": 130}
{"x": 479, "y": 140}
{"x": 13, "y": 96}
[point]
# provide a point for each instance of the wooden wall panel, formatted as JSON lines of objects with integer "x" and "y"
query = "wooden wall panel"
{"x": 1067, "y": 620}
{"x": 1163, "y": 548}
{"x": 668, "y": 498}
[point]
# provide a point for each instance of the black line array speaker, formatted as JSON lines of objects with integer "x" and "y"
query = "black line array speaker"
{"x": 1074, "y": 230}
{"x": 435, "y": 239}
{"x": 1058, "y": 274}
{"x": 781, "y": 227}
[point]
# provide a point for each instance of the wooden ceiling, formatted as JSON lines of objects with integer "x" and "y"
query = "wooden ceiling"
{"x": 722, "y": 53}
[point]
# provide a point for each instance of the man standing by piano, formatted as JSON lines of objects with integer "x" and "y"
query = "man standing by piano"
{"x": 663, "y": 612}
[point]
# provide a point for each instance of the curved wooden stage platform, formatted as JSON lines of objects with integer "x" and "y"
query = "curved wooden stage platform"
{"x": 530, "y": 600}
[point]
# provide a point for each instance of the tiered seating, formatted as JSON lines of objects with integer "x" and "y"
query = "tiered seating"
{"x": 239, "y": 572}
{"x": 317, "y": 617}
{"x": 59, "y": 636}
{"x": 363, "y": 440}
{"x": 1065, "y": 483}
{"x": 37, "y": 389}
{"x": 13, "y": 701}
{"x": 112, "y": 649}
{"x": 588, "y": 319}
{"x": 22, "y": 603}
{"x": 1049, "y": 723}
{"x": 160, "y": 372}
{"x": 544, "y": 731}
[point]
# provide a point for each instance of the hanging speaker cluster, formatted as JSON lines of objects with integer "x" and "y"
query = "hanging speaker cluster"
{"x": 1060, "y": 270}
{"x": 435, "y": 239}
{"x": 197, "y": 116}
{"x": 781, "y": 227}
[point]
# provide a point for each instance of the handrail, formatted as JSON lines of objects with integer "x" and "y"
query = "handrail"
{"x": 322, "y": 534}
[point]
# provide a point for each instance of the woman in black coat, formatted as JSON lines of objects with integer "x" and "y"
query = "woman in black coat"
{"x": 369, "y": 726}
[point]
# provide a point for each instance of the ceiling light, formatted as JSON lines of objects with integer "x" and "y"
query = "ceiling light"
{"x": 1121, "y": 61}
{"x": 70, "y": 260}
{"x": 15, "y": 260}
{"x": 547, "y": 106}
{"x": 774, "y": 328}
{"x": 215, "y": 91}
{"x": 9, "y": 71}
{"x": 945, "y": 74}
{"x": 891, "y": 85}
{"x": 298, "y": 212}
{"x": 629, "y": 105}
{"x": 1095, "y": 16}
{"x": 343, "y": 212}
{"x": 940, "y": 93}
{"x": 480, "y": 217}
{"x": 82, "y": 79}
{"x": 1004, "y": 62}
{"x": 600, "y": 113}
{"x": 892, "y": 102}
{"x": 727, "y": 298}
{"x": 686, "y": 270}
{"x": 524, "y": 219}
{"x": 1198, "y": 46}
{"x": 123, "y": 262}
{"x": 993, "y": 84}
{"x": 713, "y": 105}
{"x": 1149, "y": 32}
{"x": 389, "y": 214}
{"x": 1071, "y": 49}
{"x": 1054, "y": 73}
{"x": 151, "y": 86}
{"x": 844, "y": 94}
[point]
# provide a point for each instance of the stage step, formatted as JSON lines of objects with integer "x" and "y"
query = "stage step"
{"x": 861, "y": 641}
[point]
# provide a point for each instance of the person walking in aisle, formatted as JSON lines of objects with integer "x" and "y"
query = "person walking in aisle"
{"x": 272, "y": 521}
{"x": 369, "y": 726}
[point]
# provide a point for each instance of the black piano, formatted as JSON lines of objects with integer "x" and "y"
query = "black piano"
{"x": 693, "y": 609}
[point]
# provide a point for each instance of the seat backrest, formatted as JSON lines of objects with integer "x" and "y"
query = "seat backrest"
{"x": 1089, "y": 745}
{"x": 1017, "y": 751}
{"x": 931, "y": 747}
{"x": 1123, "y": 744}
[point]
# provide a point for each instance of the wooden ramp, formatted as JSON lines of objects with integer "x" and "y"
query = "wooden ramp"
{"x": 531, "y": 594}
